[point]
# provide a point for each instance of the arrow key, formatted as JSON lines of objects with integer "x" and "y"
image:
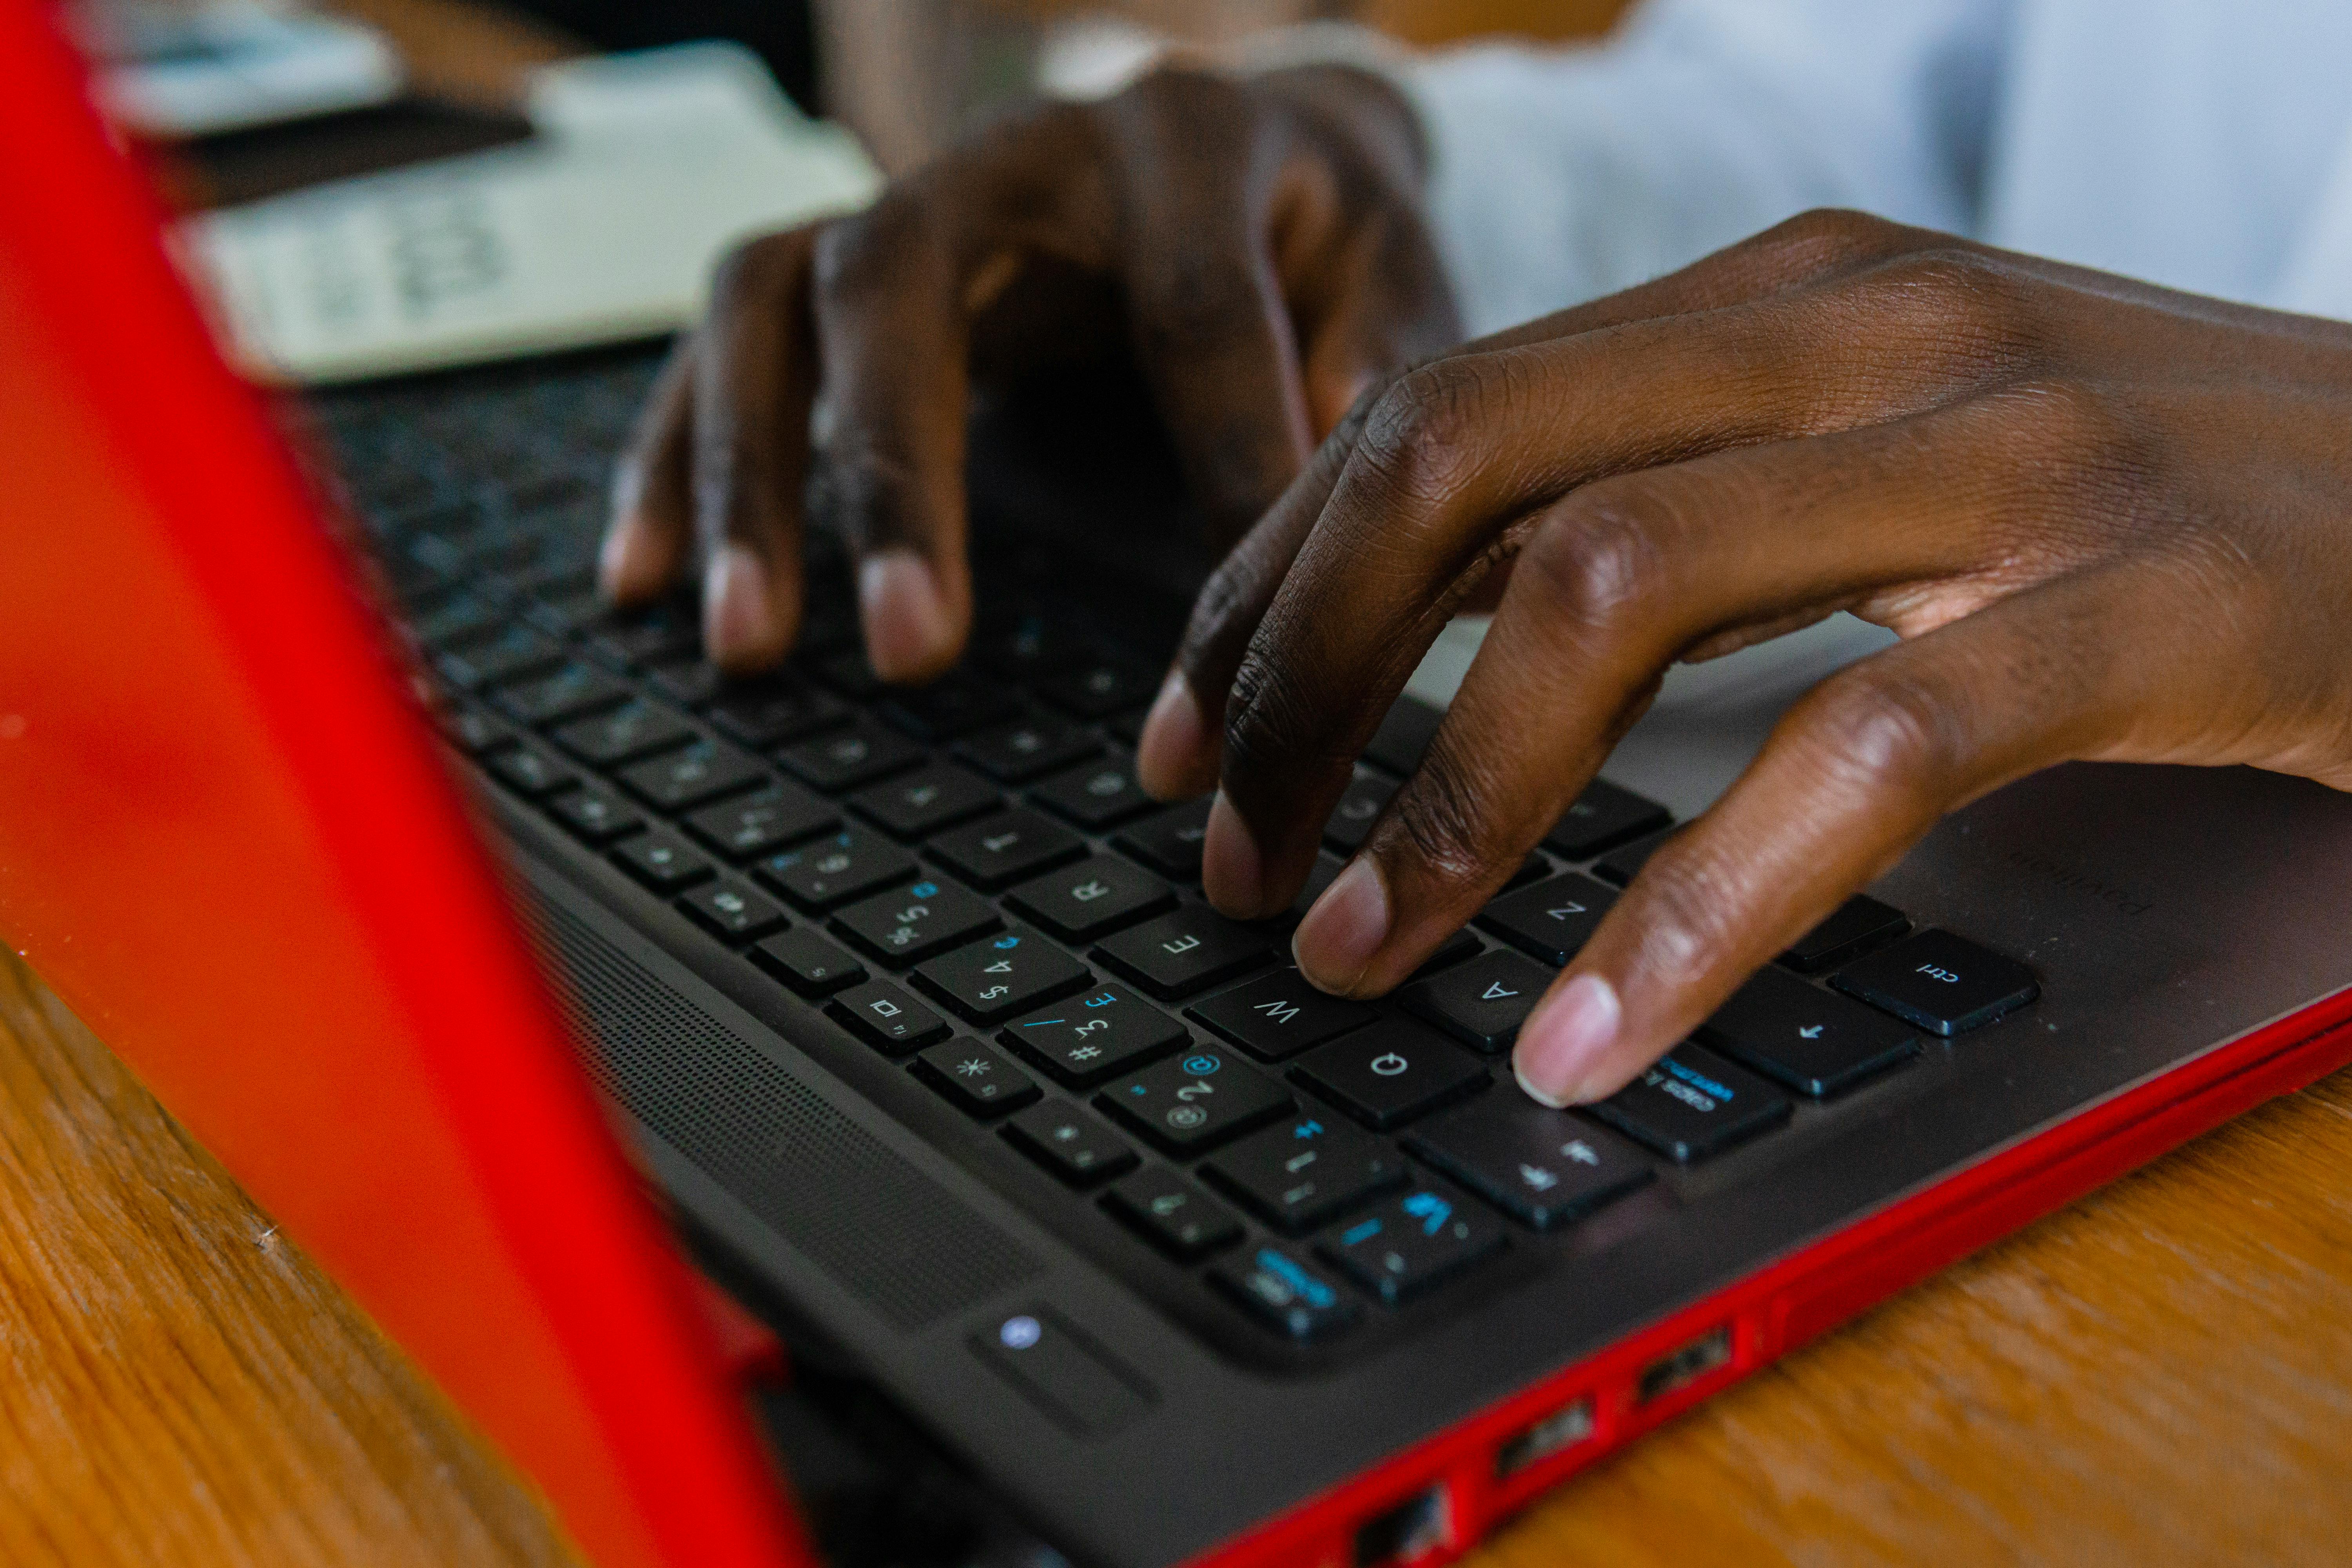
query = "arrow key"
{"x": 1482, "y": 1003}
{"x": 1815, "y": 1041}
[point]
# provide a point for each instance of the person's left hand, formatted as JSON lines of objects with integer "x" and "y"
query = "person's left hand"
{"x": 2109, "y": 522}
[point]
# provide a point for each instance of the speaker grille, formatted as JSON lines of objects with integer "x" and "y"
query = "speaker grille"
{"x": 885, "y": 1231}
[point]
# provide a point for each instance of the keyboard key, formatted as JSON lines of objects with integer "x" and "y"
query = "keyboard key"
{"x": 1544, "y": 1167}
{"x": 1619, "y": 866}
{"x": 1100, "y": 688}
{"x": 1097, "y": 895}
{"x": 1603, "y": 817}
{"x": 1094, "y": 1036}
{"x": 953, "y": 705}
{"x": 569, "y": 692}
{"x": 1187, "y": 949}
{"x": 1171, "y": 842}
{"x": 773, "y": 710}
{"x": 634, "y": 730}
{"x": 917, "y": 805}
{"x": 1414, "y": 1242}
{"x": 921, "y": 921}
{"x": 1028, "y": 749}
{"x": 512, "y": 653}
{"x": 1940, "y": 982}
{"x": 1391, "y": 1072}
{"x": 834, "y": 870}
{"x": 690, "y": 683}
{"x": 849, "y": 674}
{"x": 1692, "y": 1103}
{"x": 1461, "y": 946}
{"x": 1360, "y": 805}
{"x": 1196, "y": 1100}
{"x": 845, "y": 758}
{"x": 1275, "y": 1016}
{"x": 532, "y": 771}
{"x": 763, "y": 822}
{"x": 635, "y": 638}
{"x": 807, "y": 963}
{"x": 1173, "y": 1215}
{"x": 1550, "y": 919}
{"x": 475, "y": 732}
{"x": 731, "y": 911}
{"x": 1008, "y": 848}
{"x": 1301, "y": 1173}
{"x": 1096, "y": 796}
{"x": 1814, "y": 1041}
{"x": 1862, "y": 922}
{"x": 886, "y": 1017}
{"x": 978, "y": 1079}
{"x": 1481, "y": 1004}
{"x": 663, "y": 863}
{"x": 459, "y": 621}
{"x": 704, "y": 772}
{"x": 1070, "y": 1143}
{"x": 595, "y": 814}
{"x": 1006, "y": 974}
{"x": 1286, "y": 1294}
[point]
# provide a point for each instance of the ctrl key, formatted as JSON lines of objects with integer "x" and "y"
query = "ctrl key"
{"x": 1286, "y": 1294}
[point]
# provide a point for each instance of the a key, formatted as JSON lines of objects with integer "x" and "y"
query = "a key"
{"x": 1171, "y": 842}
{"x": 634, "y": 730}
{"x": 1099, "y": 687}
{"x": 848, "y": 759}
{"x": 1070, "y": 1143}
{"x": 1481, "y": 1004}
{"x": 1544, "y": 1167}
{"x": 921, "y": 920}
{"x": 595, "y": 814}
{"x": 953, "y": 705}
{"x": 1551, "y": 919}
{"x": 886, "y": 1017}
{"x": 1602, "y": 818}
{"x": 1391, "y": 1072}
{"x": 1097, "y": 895}
{"x": 1007, "y": 847}
{"x": 1195, "y": 1100}
{"x": 1299, "y": 1173}
{"x": 663, "y": 862}
{"x": 807, "y": 963}
{"x": 917, "y": 805}
{"x": 1096, "y": 796}
{"x": 1099, "y": 1034}
{"x": 704, "y": 772}
{"x": 532, "y": 771}
{"x": 760, "y": 823}
{"x": 1814, "y": 1041}
{"x": 1414, "y": 1242}
{"x": 835, "y": 868}
{"x": 1942, "y": 983}
{"x": 979, "y": 1078}
{"x": 773, "y": 710}
{"x": 1860, "y": 923}
{"x": 1000, "y": 975}
{"x": 731, "y": 911}
{"x": 1619, "y": 866}
{"x": 1360, "y": 805}
{"x": 1028, "y": 749}
{"x": 1691, "y": 1103}
{"x": 1288, "y": 1294}
{"x": 1275, "y": 1016}
{"x": 1187, "y": 949}
{"x": 1173, "y": 1215}
{"x": 566, "y": 693}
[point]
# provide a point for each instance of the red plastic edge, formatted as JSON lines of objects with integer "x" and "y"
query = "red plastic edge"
{"x": 1805, "y": 1295}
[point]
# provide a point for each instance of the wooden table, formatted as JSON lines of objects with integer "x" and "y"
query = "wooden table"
{"x": 2161, "y": 1375}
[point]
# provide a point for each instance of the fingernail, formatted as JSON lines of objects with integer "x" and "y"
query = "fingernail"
{"x": 1335, "y": 943}
{"x": 738, "y": 611}
{"x": 1561, "y": 1044}
{"x": 905, "y": 614}
{"x": 1171, "y": 742}
{"x": 1231, "y": 872}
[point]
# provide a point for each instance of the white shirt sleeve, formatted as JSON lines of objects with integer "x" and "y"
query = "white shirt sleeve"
{"x": 1558, "y": 175}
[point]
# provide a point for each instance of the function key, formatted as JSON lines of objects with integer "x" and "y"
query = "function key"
{"x": 1094, "y": 1035}
{"x": 1940, "y": 982}
{"x": 595, "y": 814}
{"x": 1173, "y": 1215}
{"x": 979, "y": 1078}
{"x": 1481, "y": 1004}
{"x": 1195, "y": 1100}
{"x": 1070, "y": 1143}
{"x": 662, "y": 862}
{"x": 1187, "y": 949}
{"x": 848, "y": 758}
{"x": 1171, "y": 842}
{"x": 1022, "y": 750}
{"x": 886, "y": 1019}
{"x": 771, "y": 711}
{"x": 1301, "y": 1173}
{"x": 574, "y": 690}
{"x": 731, "y": 911}
{"x": 807, "y": 963}
{"x": 1286, "y": 1294}
{"x": 763, "y": 822}
{"x": 953, "y": 705}
{"x": 927, "y": 800}
{"x": 833, "y": 870}
{"x": 1814, "y": 1041}
{"x": 1862, "y": 922}
{"x": 921, "y": 921}
{"x": 1414, "y": 1242}
{"x": 1100, "y": 688}
{"x": 1550, "y": 919}
{"x": 1360, "y": 805}
{"x": 532, "y": 771}
{"x": 1602, "y": 817}
{"x": 1000, "y": 976}
{"x": 1275, "y": 1016}
{"x": 1391, "y": 1072}
{"x": 704, "y": 772}
{"x": 1619, "y": 866}
{"x": 1691, "y": 1103}
{"x": 1010, "y": 847}
{"x": 1097, "y": 895}
{"x": 1543, "y": 1167}
{"x": 635, "y": 728}
{"x": 1096, "y": 796}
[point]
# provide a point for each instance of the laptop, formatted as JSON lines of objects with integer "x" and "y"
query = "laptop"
{"x": 1092, "y": 1234}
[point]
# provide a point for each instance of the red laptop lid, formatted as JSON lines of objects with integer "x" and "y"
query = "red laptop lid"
{"x": 227, "y": 841}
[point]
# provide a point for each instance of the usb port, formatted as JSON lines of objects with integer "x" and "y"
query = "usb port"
{"x": 1679, "y": 1369}
{"x": 1405, "y": 1533}
{"x": 1563, "y": 1428}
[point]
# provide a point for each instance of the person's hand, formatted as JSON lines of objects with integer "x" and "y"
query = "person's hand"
{"x": 2108, "y": 520}
{"x": 1257, "y": 244}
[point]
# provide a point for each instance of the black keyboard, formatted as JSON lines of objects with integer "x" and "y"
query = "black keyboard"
{"x": 968, "y": 882}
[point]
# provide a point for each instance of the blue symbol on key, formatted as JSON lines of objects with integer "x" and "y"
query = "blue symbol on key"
{"x": 1019, "y": 1334}
{"x": 1138, "y": 1091}
{"x": 1105, "y": 1000}
{"x": 925, "y": 889}
{"x": 1201, "y": 1066}
{"x": 1007, "y": 942}
{"x": 1430, "y": 1209}
{"x": 1364, "y": 1230}
{"x": 1307, "y": 1130}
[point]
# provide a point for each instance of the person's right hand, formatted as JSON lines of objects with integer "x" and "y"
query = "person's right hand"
{"x": 1257, "y": 243}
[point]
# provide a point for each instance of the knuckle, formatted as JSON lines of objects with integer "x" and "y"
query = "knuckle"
{"x": 1688, "y": 908}
{"x": 1439, "y": 814}
{"x": 1271, "y": 719}
{"x": 854, "y": 250}
{"x": 1598, "y": 557}
{"x": 1883, "y": 728}
{"x": 740, "y": 271}
{"x": 1967, "y": 304}
{"x": 1830, "y": 236}
{"x": 1420, "y": 437}
{"x": 1192, "y": 291}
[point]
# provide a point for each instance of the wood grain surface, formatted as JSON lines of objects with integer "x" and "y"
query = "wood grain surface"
{"x": 2161, "y": 1375}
